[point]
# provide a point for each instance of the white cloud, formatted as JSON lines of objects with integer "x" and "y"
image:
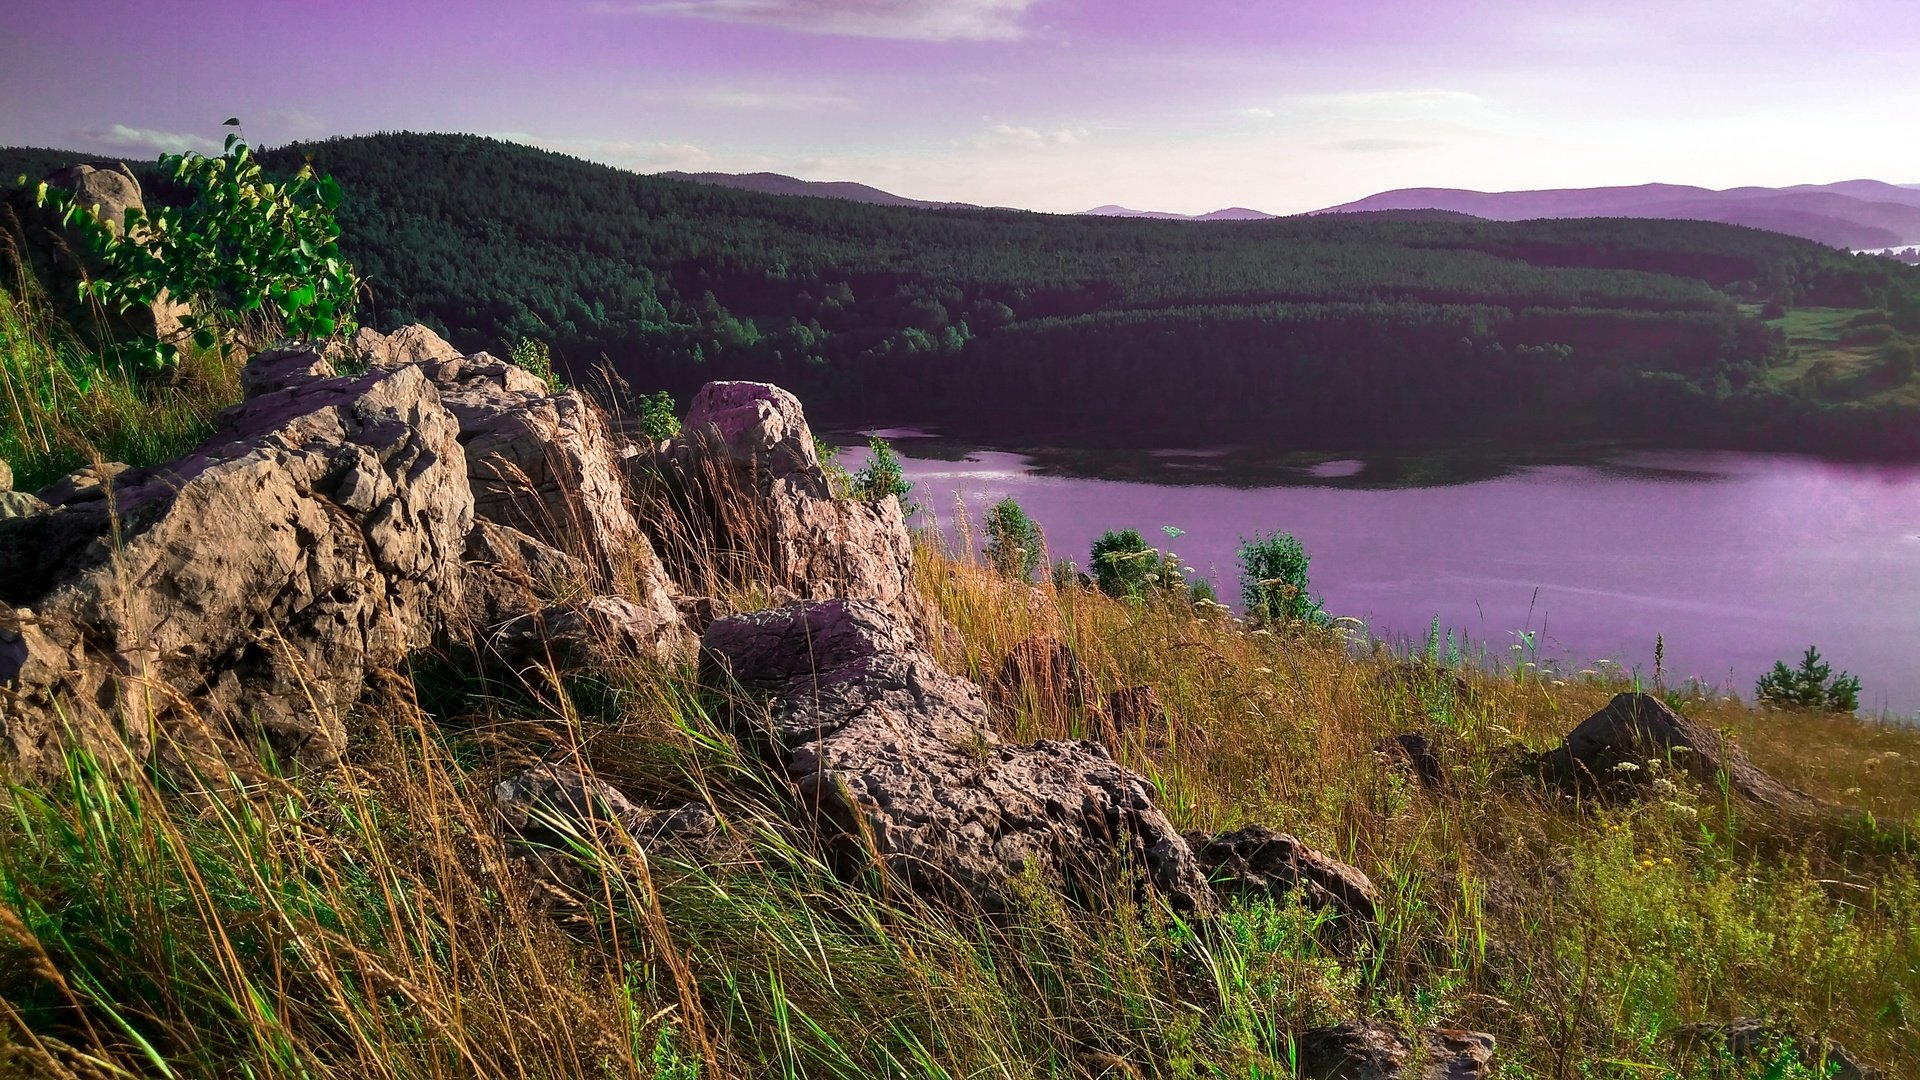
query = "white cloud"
{"x": 761, "y": 101}
{"x": 1256, "y": 113}
{"x": 912, "y": 20}
{"x": 637, "y": 154}
{"x": 1007, "y": 136}
{"x": 122, "y": 137}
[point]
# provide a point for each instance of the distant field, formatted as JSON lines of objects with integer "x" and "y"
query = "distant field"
{"x": 1834, "y": 345}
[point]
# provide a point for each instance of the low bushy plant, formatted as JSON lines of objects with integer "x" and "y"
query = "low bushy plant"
{"x": 1123, "y": 564}
{"x": 244, "y": 249}
{"x": 657, "y": 416}
{"x": 1014, "y": 545}
{"x": 1812, "y": 685}
{"x": 1273, "y": 581}
{"x": 535, "y": 357}
{"x": 882, "y": 477}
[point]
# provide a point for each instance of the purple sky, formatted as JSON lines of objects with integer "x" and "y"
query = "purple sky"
{"x": 1185, "y": 105}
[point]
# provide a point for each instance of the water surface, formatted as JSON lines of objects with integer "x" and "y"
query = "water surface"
{"x": 1735, "y": 559}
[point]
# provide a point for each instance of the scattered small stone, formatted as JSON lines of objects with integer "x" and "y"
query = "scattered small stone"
{"x": 1369, "y": 1051}
{"x": 1753, "y": 1039}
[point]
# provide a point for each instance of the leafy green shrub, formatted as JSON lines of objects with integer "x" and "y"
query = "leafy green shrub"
{"x": 242, "y": 248}
{"x": 657, "y": 416}
{"x": 1200, "y": 593}
{"x": 533, "y": 356}
{"x": 1273, "y": 581}
{"x": 1014, "y": 545}
{"x": 1812, "y": 686}
{"x": 1123, "y": 564}
{"x": 882, "y": 477}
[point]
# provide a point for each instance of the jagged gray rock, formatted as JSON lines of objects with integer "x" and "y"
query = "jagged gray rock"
{"x": 251, "y": 585}
{"x": 757, "y": 426}
{"x": 745, "y": 479}
{"x": 539, "y": 461}
{"x": 1369, "y": 1051}
{"x": 15, "y": 504}
{"x": 1261, "y": 861}
{"x": 509, "y": 573}
{"x": 1610, "y": 752}
{"x": 603, "y": 629}
{"x": 553, "y": 811}
{"x": 82, "y": 483}
{"x": 898, "y": 754}
{"x": 6, "y": 477}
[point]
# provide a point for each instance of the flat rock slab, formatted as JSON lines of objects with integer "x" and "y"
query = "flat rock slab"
{"x": 901, "y": 758}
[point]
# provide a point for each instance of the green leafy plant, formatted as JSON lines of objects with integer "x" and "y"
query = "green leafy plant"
{"x": 1123, "y": 564}
{"x": 1813, "y": 685}
{"x": 1014, "y": 544}
{"x": 534, "y": 356}
{"x": 657, "y": 416}
{"x": 882, "y": 477}
{"x": 244, "y": 247}
{"x": 1273, "y": 581}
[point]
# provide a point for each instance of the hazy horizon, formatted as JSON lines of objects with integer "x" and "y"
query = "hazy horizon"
{"x": 1056, "y": 105}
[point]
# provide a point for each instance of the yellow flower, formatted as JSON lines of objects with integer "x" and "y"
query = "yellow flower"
{"x": 1666, "y": 862}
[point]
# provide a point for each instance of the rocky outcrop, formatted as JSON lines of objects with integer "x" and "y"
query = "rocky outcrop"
{"x": 1622, "y": 749}
{"x": 82, "y": 483}
{"x": 743, "y": 478}
{"x": 1369, "y": 1051}
{"x": 901, "y": 759}
{"x": 249, "y": 587}
{"x": 540, "y": 462}
{"x": 559, "y": 819}
{"x": 6, "y": 476}
{"x": 1259, "y": 861}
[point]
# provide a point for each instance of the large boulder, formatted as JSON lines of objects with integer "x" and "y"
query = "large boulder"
{"x": 248, "y": 587}
{"x": 743, "y": 477}
{"x": 57, "y": 257}
{"x": 1626, "y": 746}
{"x": 900, "y": 758}
{"x": 540, "y": 462}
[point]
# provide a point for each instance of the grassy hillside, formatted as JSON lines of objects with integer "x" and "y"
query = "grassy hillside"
{"x": 365, "y": 921}
{"x": 1337, "y": 331}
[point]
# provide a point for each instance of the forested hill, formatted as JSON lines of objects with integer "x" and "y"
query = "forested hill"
{"x": 1338, "y": 330}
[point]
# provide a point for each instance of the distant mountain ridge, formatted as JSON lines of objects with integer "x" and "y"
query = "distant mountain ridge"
{"x": 1849, "y": 214}
{"x": 771, "y": 183}
{"x": 1231, "y": 213}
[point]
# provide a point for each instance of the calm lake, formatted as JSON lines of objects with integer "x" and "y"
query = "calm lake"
{"x": 1736, "y": 559}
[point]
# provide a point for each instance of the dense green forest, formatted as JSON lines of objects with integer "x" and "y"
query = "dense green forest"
{"x": 1326, "y": 331}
